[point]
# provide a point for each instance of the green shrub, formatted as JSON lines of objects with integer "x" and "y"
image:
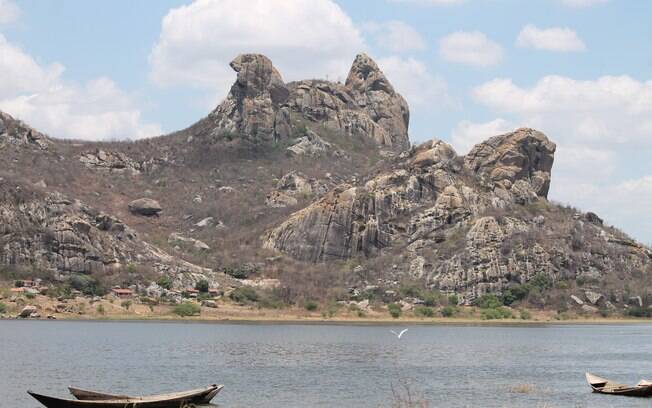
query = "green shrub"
{"x": 87, "y": 285}
{"x": 238, "y": 271}
{"x": 639, "y": 312}
{"x": 515, "y": 293}
{"x": 165, "y": 282}
{"x": 453, "y": 300}
{"x": 361, "y": 313}
{"x": 187, "y": 309}
{"x": 30, "y": 295}
{"x": 489, "y": 301}
{"x": 100, "y": 309}
{"x": 424, "y": 311}
{"x": 410, "y": 290}
{"x": 126, "y": 304}
{"x": 244, "y": 294}
{"x": 3, "y": 308}
{"x": 449, "y": 311}
{"x": 541, "y": 281}
{"x": 202, "y": 286}
{"x": 525, "y": 314}
{"x": 431, "y": 298}
{"x": 496, "y": 313}
{"x": 394, "y": 310}
{"x": 311, "y": 306}
{"x": 19, "y": 284}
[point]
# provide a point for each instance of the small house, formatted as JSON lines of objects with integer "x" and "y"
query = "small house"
{"x": 122, "y": 293}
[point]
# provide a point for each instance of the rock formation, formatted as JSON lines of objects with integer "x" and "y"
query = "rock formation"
{"x": 51, "y": 232}
{"x": 17, "y": 133}
{"x": 437, "y": 211}
{"x": 145, "y": 206}
{"x": 261, "y": 105}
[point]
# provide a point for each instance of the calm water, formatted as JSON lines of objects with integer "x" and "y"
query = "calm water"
{"x": 324, "y": 366}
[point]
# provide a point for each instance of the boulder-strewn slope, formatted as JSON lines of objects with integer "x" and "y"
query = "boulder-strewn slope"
{"x": 467, "y": 225}
{"x": 312, "y": 182}
{"x": 98, "y": 209}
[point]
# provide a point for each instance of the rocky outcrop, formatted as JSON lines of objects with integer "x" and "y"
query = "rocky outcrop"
{"x": 15, "y": 132}
{"x": 373, "y": 93}
{"x": 462, "y": 224}
{"x": 277, "y": 199}
{"x": 112, "y": 161}
{"x": 310, "y": 145}
{"x": 524, "y": 155}
{"x": 48, "y": 231}
{"x": 180, "y": 240}
{"x": 261, "y": 105}
{"x": 254, "y": 100}
{"x": 297, "y": 184}
{"x": 145, "y": 206}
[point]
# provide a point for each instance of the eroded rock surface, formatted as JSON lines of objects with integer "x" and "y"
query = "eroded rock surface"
{"x": 51, "y": 232}
{"x": 145, "y": 206}
{"x": 15, "y": 132}
{"x": 261, "y": 105}
{"x": 466, "y": 225}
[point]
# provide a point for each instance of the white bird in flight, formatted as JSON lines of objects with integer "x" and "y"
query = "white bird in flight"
{"x": 399, "y": 334}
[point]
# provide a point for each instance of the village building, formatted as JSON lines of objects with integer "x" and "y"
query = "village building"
{"x": 122, "y": 293}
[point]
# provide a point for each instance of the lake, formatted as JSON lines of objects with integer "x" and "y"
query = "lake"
{"x": 325, "y": 365}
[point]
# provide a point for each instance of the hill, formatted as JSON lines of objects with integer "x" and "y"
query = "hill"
{"x": 312, "y": 183}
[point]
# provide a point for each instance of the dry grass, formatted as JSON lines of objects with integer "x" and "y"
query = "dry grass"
{"x": 523, "y": 389}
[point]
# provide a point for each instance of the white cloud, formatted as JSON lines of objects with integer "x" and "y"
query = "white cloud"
{"x": 558, "y": 39}
{"x": 602, "y": 128}
{"x": 38, "y": 95}
{"x": 582, "y": 3}
{"x": 470, "y": 48}
{"x": 418, "y": 86}
{"x": 467, "y": 134}
{"x": 430, "y": 2}
{"x": 396, "y": 36}
{"x": 303, "y": 38}
{"x": 9, "y": 11}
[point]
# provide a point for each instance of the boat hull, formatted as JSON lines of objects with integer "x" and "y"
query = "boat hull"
{"x": 603, "y": 386}
{"x": 201, "y": 396}
{"x": 176, "y": 400}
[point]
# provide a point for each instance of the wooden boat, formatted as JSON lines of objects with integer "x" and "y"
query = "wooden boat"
{"x": 200, "y": 396}
{"x": 604, "y": 386}
{"x": 174, "y": 400}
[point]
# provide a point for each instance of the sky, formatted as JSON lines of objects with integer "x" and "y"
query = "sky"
{"x": 578, "y": 70}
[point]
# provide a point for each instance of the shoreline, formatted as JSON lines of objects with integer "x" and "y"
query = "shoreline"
{"x": 344, "y": 321}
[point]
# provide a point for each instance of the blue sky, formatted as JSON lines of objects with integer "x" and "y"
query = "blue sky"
{"x": 579, "y": 70}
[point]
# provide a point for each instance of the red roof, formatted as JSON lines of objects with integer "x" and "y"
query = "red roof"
{"x": 122, "y": 291}
{"x": 17, "y": 289}
{"x": 192, "y": 291}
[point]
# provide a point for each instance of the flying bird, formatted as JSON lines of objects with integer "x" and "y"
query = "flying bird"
{"x": 399, "y": 334}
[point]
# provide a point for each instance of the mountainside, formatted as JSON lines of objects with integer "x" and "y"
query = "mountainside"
{"x": 313, "y": 183}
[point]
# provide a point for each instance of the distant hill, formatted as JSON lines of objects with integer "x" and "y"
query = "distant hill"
{"x": 314, "y": 183}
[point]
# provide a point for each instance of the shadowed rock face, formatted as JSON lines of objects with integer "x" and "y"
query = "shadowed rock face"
{"x": 261, "y": 105}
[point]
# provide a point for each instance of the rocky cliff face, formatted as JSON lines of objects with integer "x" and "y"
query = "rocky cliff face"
{"x": 467, "y": 225}
{"x": 51, "y": 232}
{"x": 261, "y": 105}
